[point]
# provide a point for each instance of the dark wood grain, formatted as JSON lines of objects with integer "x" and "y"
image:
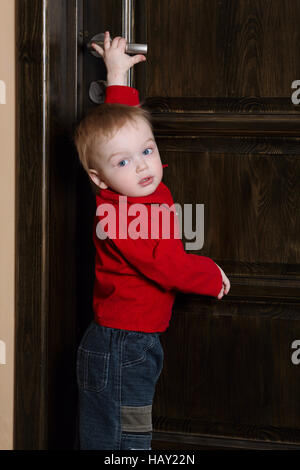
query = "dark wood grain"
{"x": 45, "y": 389}
{"x": 186, "y": 441}
{"x": 237, "y": 362}
{"x": 31, "y": 243}
{"x": 219, "y": 49}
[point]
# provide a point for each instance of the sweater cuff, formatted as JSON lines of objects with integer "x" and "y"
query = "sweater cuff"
{"x": 122, "y": 94}
{"x": 219, "y": 281}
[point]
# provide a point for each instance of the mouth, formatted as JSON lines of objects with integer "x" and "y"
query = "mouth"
{"x": 146, "y": 181}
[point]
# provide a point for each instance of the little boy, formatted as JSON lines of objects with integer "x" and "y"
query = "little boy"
{"x": 120, "y": 357}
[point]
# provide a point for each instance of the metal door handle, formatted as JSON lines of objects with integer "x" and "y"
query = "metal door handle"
{"x": 97, "y": 89}
{"x": 130, "y": 48}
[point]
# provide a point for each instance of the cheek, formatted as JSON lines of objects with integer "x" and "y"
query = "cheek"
{"x": 159, "y": 164}
{"x": 157, "y": 159}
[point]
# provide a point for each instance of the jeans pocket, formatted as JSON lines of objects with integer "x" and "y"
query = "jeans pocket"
{"x": 135, "y": 349}
{"x": 92, "y": 370}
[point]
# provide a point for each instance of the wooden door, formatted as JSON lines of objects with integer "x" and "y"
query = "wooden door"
{"x": 217, "y": 80}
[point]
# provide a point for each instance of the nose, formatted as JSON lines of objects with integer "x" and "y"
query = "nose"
{"x": 141, "y": 165}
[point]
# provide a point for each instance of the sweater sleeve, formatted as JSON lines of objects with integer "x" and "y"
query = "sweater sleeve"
{"x": 166, "y": 263}
{"x": 122, "y": 94}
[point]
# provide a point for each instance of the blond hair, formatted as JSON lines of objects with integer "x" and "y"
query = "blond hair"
{"x": 101, "y": 124}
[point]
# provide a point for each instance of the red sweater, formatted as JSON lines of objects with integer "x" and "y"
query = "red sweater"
{"x": 136, "y": 280}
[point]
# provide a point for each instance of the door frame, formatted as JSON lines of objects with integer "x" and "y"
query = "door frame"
{"x": 45, "y": 241}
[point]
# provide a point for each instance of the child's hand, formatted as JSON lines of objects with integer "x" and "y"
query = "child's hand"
{"x": 226, "y": 284}
{"x": 116, "y": 60}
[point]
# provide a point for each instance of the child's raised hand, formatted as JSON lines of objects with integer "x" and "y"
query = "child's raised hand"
{"x": 116, "y": 60}
{"x": 226, "y": 284}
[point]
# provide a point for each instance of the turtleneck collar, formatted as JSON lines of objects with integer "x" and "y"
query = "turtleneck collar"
{"x": 158, "y": 196}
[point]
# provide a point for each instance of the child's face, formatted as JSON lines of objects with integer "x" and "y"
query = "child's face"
{"x": 126, "y": 159}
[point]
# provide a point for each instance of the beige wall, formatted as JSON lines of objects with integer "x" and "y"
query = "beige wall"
{"x": 7, "y": 217}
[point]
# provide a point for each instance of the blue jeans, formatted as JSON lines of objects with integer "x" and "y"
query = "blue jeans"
{"x": 117, "y": 371}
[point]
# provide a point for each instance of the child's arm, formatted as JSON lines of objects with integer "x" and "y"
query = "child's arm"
{"x": 166, "y": 263}
{"x": 117, "y": 64}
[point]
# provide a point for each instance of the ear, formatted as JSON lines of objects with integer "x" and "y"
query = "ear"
{"x": 95, "y": 177}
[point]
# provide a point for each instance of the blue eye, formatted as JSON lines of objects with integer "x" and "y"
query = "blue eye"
{"x": 121, "y": 163}
{"x": 146, "y": 151}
